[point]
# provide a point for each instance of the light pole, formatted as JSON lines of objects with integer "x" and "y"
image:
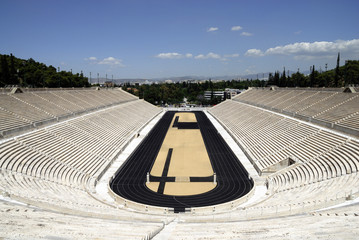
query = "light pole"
{"x": 98, "y": 79}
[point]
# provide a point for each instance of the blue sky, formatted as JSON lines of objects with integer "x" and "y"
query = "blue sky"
{"x": 164, "y": 38}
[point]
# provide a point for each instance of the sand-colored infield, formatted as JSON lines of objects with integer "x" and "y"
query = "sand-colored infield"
{"x": 189, "y": 159}
{"x": 187, "y": 188}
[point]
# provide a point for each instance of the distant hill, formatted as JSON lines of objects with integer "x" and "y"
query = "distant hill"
{"x": 117, "y": 80}
{"x": 254, "y": 76}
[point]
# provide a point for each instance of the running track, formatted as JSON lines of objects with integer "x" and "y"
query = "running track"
{"x": 232, "y": 178}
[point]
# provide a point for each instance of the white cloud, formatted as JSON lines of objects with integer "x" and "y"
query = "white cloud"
{"x": 111, "y": 61}
{"x": 212, "y": 29}
{"x": 310, "y": 49}
{"x": 200, "y": 56}
{"x": 236, "y": 28}
{"x": 209, "y": 55}
{"x": 306, "y": 48}
{"x": 173, "y": 55}
{"x": 254, "y": 53}
{"x": 91, "y": 59}
{"x": 246, "y": 34}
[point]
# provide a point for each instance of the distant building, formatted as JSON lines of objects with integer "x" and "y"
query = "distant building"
{"x": 147, "y": 82}
{"x": 168, "y": 81}
{"x": 208, "y": 94}
{"x": 230, "y": 93}
{"x": 132, "y": 89}
{"x": 108, "y": 84}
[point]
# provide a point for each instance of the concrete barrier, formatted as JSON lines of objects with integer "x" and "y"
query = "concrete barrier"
{"x": 348, "y": 130}
{"x": 223, "y": 207}
{"x": 128, "y": 204}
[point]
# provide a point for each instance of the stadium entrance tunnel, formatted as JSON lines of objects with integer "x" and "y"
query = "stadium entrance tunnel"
{"x": 171, "y": 169}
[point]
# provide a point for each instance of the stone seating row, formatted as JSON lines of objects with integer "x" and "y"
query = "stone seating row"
{"x": 297, "y": 192}
{"x": 325, "y": 173}
{"x": 340, "y": 111}
{"x": 328, "y": 106}
{"x": 24, "y": 159}
{"x": 335, "y": 163}
{"x": 66, "y": 152}
{"x": 24, "y": 222}
{"x": 22, "y": 109}
{"x": 351, "y": 121}
{"x": 269, "y": 138}
{"x": 243, "y": 224}
{"x": 72, "y": 152}
{"x": 304, "y": 149}
{"x": 55, "y": 167}
{"x": 34, "y": 108}
{"x": 39, "y": 100}
{"x": 302, "y": 198}
{"x": 8, "y": 121}
{"x": 59, "y": 197}
{"x": 349, "y": 210}
{"x": 47, "y": 192}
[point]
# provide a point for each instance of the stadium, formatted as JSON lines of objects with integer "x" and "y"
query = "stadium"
{"x": 101, "y": 163}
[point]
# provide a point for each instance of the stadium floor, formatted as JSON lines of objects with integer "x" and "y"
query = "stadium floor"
{"x": 182, "y": 159}
{"x": 232, "y": 177}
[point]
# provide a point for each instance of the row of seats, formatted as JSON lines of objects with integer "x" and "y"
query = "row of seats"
{"x": 350, "y": 122}
{"x": 335, "y": 163}
{"x": 9, "y": 121}
{"x": 328, "y": 106}
{"x": 32, "y": 108}
{"x": 24, "y": 222}
{"x": 320, "y": 192}
{"x": 235, "y": 225}
{"x": 72, "y": 152}
{"x": 270, "y": 138}
{"x": 326, "y": 168}
{"x": 49, "y": 192}
{"x": 51, "y": 167}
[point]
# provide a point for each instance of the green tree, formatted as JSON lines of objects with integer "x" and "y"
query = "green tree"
{"x": 313, "y": 78}
{"x": 283, "y": 80}
{"x": 351, "y": 72}
{"x": 35, "y": 74}
{"x": 299, "y": 79}
{"x": 337, "y": 72}
{"x": 13, "y": 78}
{"x": 5, "y": 73}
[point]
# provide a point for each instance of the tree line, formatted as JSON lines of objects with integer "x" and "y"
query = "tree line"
{"x": 174, "y": 93}
{"x": 29, "y": 73}
{"x": 340, "y": 76}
